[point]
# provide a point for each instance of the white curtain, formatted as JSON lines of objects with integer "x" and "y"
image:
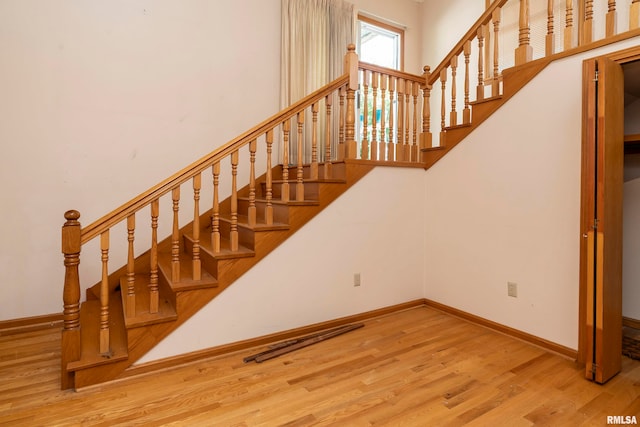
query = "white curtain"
{"x": 315, "y": 35}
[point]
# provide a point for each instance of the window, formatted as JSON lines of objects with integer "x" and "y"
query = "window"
{"x": 380, "y": 43}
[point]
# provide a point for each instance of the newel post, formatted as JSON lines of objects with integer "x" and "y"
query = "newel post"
{"x": 425, "y": 135}
{"x": 351, "y": 67}
{"x": 71, "y": 244}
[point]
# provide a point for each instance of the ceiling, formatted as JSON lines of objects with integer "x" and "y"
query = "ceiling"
{"x": 631, "y": 82}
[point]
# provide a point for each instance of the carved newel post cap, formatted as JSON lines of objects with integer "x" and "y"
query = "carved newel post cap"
{"x": 426, "y": 69}
{"x": 72, "y": 215}
{"x": 351, "y": 47}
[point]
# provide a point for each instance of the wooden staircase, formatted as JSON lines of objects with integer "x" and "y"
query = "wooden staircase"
{"x": 133, "y": 308}
{"x": 134, "y": 335}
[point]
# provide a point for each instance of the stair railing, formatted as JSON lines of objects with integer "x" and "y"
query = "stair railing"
{"x": 394, "y": 114}
{"x": 508, "y": 25}
{"x": 74, "y": 236}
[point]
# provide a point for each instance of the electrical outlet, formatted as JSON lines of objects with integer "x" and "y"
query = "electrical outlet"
{"x": 356, "y": 279}
{"x": 512, "y": 289}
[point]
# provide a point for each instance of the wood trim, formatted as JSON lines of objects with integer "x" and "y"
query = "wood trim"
{"x": 515, "y": 333}
{"x": 631, "y": 323}
{"x": 417, "y": 165}
{"x": 27, "y": 324}
{"x": 390, "y": 72}
{"x": 388, "y": 27}
{"x": 171, "y": 362}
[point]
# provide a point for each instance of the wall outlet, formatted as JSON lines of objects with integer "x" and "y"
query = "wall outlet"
{"x": 512, "y": 289}
{"x": 356, "y": 279}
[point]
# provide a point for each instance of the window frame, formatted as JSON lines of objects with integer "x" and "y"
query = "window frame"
{"x": 387, "y": 27}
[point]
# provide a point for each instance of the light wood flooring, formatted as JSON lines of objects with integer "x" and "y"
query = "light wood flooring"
{"x": 418, "y": 367}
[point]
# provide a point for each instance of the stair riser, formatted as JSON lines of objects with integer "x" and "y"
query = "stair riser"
{"x": 209, "y": 263}
{"x": 245, "y": 236}
{"x": 337, "y": 171}
{"x": 310, "y": 190}
{"x": 280, "y": 211}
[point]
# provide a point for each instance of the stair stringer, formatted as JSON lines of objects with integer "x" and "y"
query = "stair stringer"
{"x": 144, "y": 338}
{"x": 514, "y": 79}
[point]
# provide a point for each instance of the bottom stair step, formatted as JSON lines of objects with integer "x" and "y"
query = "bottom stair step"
{"x": 90, "y": 355}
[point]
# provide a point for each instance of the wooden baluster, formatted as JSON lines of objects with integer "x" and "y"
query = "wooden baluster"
{"x": 568, "y": 29}
{"x": 390, "y": 144}
{"x": 364, "y": 149}
{"x": 587, "y": 35}
{"x": 300, "y": 168}
{"x": 195, "y": 261}
{"x": 342, "y": 125}
{"x": 269, "y": 184}
{"x": 313, "y": 168}
{"x": 286, "y": 128}
{"x": 480, "y": 88}
{"x": 175, "y": 236}
{"x": 252, "y": 212}
{"x": 550, "y": 40}
{"x": 382, "y": 145}
{"x": 215, "y": 211}
{"x": 612, "y": 19}
{"x": 495, "y": 83}
{"x": 400, "y": 121}
{"x": 524, "y": 51}
{"x": 328, "y": 171}
{"x": 153, "y": 275}
{"x": 351, "y": 67}
{"x": 104, "y": 295}
{"x": 131, "y": 274}
{"x": 414, "y": 145}
{"x": 443, "y": 106}
{"x": 407, "y": 121}
{"x": 453, "y": 115}
{"x": 634, "y": 15}
{"x": 425, "y": 136}
{"x": 488, "y": 68}
{"x": 233, "y": 234}
{"x": 374, "y": 118}
{"x": 466, "y": 113}
{"x": 70, "y": 343}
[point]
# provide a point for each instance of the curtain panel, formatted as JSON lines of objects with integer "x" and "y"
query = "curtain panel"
{"x": 315, "y": 35}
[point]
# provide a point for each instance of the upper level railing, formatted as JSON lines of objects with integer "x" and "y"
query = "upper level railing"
{"x": 515, "y": 32}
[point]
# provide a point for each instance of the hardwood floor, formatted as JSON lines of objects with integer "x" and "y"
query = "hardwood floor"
{"x": 417, "y": 367}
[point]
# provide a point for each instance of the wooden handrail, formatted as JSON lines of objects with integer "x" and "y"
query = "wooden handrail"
{"x": 144, "y": 199}
{"x": 469, "y": 35}
{"x": 390, "y": 72}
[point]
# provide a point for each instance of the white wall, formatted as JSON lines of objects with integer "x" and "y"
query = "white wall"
{"x": 103, "y": 99}
{"x": 376, "y": 229}
{"x": 444, "y": 24}
{"x": 504, "y": 206}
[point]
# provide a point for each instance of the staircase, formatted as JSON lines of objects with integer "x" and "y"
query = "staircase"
{"x": 129, "y": 310}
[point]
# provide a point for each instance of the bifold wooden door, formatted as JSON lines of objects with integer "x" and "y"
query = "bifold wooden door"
{"x": 602, "y": 184}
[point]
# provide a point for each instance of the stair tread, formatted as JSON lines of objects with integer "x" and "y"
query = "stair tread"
{"x": 166, "y": 311}
{"x": 90, "y": 355}
{"x": 186, "y": 282}
{"x": 225, "y": 248}
{"x": 278, "y": 201}
{"x": 311, "y": 181}
{"x": 243, "y": 221}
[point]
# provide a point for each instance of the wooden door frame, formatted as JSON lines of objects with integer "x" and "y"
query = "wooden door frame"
{"x": 621, "y": 57}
